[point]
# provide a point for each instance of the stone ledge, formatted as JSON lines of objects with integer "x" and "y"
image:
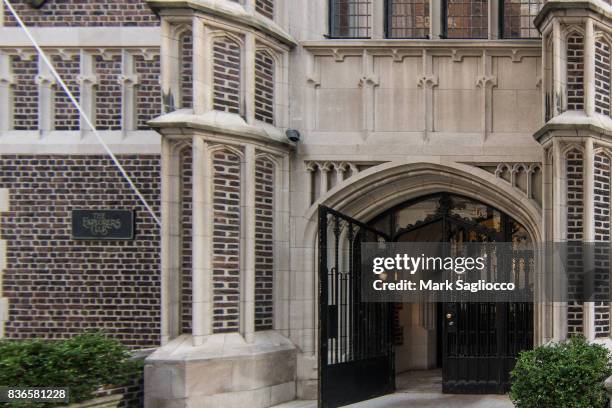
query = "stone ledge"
{"x": 576, "y": 122}
{"x": 221, "y": 123}
{"x": 225, "y": 371}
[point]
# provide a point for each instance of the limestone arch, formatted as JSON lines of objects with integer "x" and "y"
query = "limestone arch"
{"x": 382, "y": 187}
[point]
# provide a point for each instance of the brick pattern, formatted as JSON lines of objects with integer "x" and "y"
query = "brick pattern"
{"x": 602, "y": 77}
{"x": 83, "y": 13}
{"x": 264, "y": 244}
{"x": 133, "y": 392}
{"x": 226, "y": 242}
{"x": 265, "y": 8}
{"x": 58, "y": 287}
{"x": 264, "y": 87}
{"x": 186, "y": 70}
{"x": 66, "y": 115}
{"x": 108, "y": 92}
{"x": 226, "y": 75}
{"x": 575, "y": 72}
{"x": 148, "y": 91}
{"x": 575, "y": 208}
{"x": 25, "y": 93}
{"x": 186, "y": 226}
{"x": 602, "y": 234}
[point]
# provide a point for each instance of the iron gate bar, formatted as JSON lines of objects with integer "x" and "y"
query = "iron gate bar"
{"x": 356, "y": 355}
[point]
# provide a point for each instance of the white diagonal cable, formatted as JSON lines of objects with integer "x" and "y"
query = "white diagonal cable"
{"x": 83, "y": 115}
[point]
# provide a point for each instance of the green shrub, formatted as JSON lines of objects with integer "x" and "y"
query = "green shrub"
{"x": 562, "y": 375}
{"x": 82, "y": 364}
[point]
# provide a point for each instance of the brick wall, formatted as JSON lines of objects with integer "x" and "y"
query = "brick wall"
{"x": 264, "y": 244}
{"x": 226, "y": 75}
{"x": 58, "y": 287}
{"x": 575, "y": 72}
{"x": 186, "y": 70}
{"x": 84, "y": 13}
{"x": 148, "y": 91}
{"x": 265, "y": 7}
{"x": 602, "y": 234}
{"x": 226, "y": 241}
{"x": 66, "y": 115}
{"x": 264, "y": 87}
{"x": 25, "y": 93}
{"x": 575, "y": 196}
{"x": 602, "y": 77}
{"x": 108, "y": 92}
{"x": 186, "y": 237}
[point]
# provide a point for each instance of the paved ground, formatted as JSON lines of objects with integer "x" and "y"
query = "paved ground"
{"x": 420, "y": 389}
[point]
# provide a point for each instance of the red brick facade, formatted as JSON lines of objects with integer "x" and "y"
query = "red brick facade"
{"x": 226, "y": 80}
{"x": 57, "y": 286}
{"x": 265, "y": 8}
{"x": 186, "y": 239}
{"x": 108, "y": 92}
{"x": 148, "y": 92}
{"x": 264, "y": 87}
{"x": 25, "y": 93}
{"x": 186, "y": 70}
{"x": 89, "y": 13}
{"x": 575, "y": 208}
{"x": 264, "y": 244}
{"x": 602, "y": 234}
{"x": 575, "y": 72}
{"x": 226, "y": 241}
{"x": 66, "y": 115}
{"x": 602, "y": 77}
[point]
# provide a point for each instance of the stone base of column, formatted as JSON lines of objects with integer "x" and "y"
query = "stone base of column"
{"x": 225, "y": 371}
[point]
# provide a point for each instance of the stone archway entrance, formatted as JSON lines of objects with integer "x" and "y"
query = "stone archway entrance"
{"x": 474, "y": 343}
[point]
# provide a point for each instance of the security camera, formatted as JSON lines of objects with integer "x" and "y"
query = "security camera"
{"x": 293, "y": 135}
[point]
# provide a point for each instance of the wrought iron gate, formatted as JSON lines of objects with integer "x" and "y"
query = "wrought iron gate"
{"x": 480, "y": 341}
{"x": 355, "y": 349}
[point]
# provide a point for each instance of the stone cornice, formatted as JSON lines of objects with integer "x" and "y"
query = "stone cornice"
{"x": 399, "y": 49}
{"x": 596, "y": 6}
{"x": 232, "y": 12}
{"x": 184, "y": 122}
{"x": 575, "y": 124}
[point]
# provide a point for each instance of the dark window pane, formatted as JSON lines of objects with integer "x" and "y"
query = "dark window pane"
{"x": 408, "y": 18}
{"x": 466, "y": 19}
{"x": 351, "y": 18}
{"x": 518, "y": 18}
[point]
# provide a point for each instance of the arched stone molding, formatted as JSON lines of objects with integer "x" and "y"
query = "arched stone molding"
{"x": 375, "y": 190}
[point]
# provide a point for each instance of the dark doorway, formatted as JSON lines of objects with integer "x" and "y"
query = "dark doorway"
{"x": 477, "y": 342}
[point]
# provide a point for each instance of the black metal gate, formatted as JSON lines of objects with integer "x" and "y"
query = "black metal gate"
{"x": 355, "y": 349}
{"x": 480, "y": 341}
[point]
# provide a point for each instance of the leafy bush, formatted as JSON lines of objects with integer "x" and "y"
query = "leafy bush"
{"x": 562, "y": 375}
{"x": 82, "y": 364}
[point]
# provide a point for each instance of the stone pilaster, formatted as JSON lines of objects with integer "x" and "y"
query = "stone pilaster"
{"x": 128, "y": 81}
{"x": 46, "y": 92}
{"x": 6, "y": 92}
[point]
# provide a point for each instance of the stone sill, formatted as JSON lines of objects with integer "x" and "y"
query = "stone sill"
{"x": 576, "y": 121}
{"x": 420, "y": 43}
{"x": 220, "y": 346}
{"x": 222, "y": 123}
